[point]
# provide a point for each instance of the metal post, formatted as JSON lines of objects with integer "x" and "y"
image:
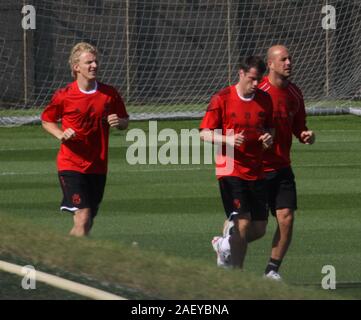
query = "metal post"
{"x": 25, "y": 65}
{"x": 128, "y": 49}
{"x": 327, "y": 76}
{"x": 229, "y": 41}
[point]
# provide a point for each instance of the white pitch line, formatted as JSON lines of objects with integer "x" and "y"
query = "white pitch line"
{"x": 162, "y": 169}
{"x": 327, "y": 165}
{"x": 61, "y": 283}
{"x": 212, "y": 168}
{"x": 165, "y": 169}
{"x": 12, "y": 173}
{"x": 27, "y": 149}
{"x": 158, "y": 169}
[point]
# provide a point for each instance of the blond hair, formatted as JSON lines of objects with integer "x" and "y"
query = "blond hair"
{"x": 76, "y": 51}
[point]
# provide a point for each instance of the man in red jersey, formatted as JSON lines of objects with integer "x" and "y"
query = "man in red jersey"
{"x": 245, "y": 113}
{"x": 289, "y": 119}
{"x": 86, "y": 109}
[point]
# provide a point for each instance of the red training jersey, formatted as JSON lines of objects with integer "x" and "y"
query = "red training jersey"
{"x": 86, "y": 114}
{"x": 289, "y": 117}
{"x": 227, "y": 110}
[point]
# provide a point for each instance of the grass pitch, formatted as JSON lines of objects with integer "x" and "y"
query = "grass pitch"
{"x": 172, "y": 212}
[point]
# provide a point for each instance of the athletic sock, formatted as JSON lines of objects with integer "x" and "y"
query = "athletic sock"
{"x": 273, "y": 264}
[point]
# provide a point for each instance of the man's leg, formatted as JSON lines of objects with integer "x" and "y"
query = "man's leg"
{"x": 252, "y": 225}
{"x": 82, "y": 222}
{"x": 256, "y": 230}
{"x": 238, "y": 240}
{"x": 282, "y": 203}
{"x": 283, "y": 234}
{"x": 96, "y": 186}
{"x": 94, "y": 212}
{"x": 281, "y": 239}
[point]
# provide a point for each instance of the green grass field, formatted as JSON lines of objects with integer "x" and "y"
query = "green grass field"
{"x": 10, "y": 289}
{"x": 173, "y": 211}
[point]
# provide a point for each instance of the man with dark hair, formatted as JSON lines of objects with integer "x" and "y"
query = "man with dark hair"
{"x": 244, "y": 113}
{"x": 86, "y": 109}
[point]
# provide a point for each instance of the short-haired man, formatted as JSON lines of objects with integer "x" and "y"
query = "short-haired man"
{"x": 244, "y": 112}
{"x": 86, "y": 109}
{"x": 289, "y": 117}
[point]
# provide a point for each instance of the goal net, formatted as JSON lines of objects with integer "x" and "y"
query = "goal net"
{"x": 168, "y": 57}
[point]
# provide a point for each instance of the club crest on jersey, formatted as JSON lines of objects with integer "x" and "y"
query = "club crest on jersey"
{"x": 76, "y": 198}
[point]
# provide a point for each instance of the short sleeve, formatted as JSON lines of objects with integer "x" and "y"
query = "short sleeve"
{"x": 53, "y": 112}
{"x": 299, "y": 121}
{"x": 119, "y": 106}
{"x": 269, "y": 124}
{"x": 213, "y": 116}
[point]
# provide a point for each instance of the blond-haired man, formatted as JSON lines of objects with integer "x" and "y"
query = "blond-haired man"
{"x": 86, "y": 109}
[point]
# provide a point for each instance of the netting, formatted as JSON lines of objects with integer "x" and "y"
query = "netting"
{"x": 168, "y": 57}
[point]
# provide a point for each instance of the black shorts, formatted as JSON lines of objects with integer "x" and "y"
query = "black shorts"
{"x": 243, "y": 197}
{"x": 81, "y": 190}
{"x": 281, "y": 190}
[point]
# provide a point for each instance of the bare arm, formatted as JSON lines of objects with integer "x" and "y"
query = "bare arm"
{"x": 54, "y": 130}
{"x": 116, "y": 122}
{"x": 217, "y": 138}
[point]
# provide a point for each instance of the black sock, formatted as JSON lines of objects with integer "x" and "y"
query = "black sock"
{"x": 273, "y": 264}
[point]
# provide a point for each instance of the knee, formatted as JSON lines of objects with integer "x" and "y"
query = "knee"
{"x": 261, "y": 232}
{"x": 285, "y": 218}
{"x": 258, "y": 231}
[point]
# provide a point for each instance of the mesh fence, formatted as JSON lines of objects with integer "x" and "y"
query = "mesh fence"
{"x": 168, "y": 57}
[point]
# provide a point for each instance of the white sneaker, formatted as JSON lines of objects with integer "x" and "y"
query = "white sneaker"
{"x": 228, "y": 229}
{"x": 223, "y": 256}
{"x": 273, "y": 275}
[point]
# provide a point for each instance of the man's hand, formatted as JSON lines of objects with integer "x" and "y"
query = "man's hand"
{"x": 266, "y": 139}
{"x": 230, "y": 139}
{"x": 239, "y": 138}
{"x": 307, "y": 137}
{"x": 67, "y": 134}
{"x": 116, "y": 122}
